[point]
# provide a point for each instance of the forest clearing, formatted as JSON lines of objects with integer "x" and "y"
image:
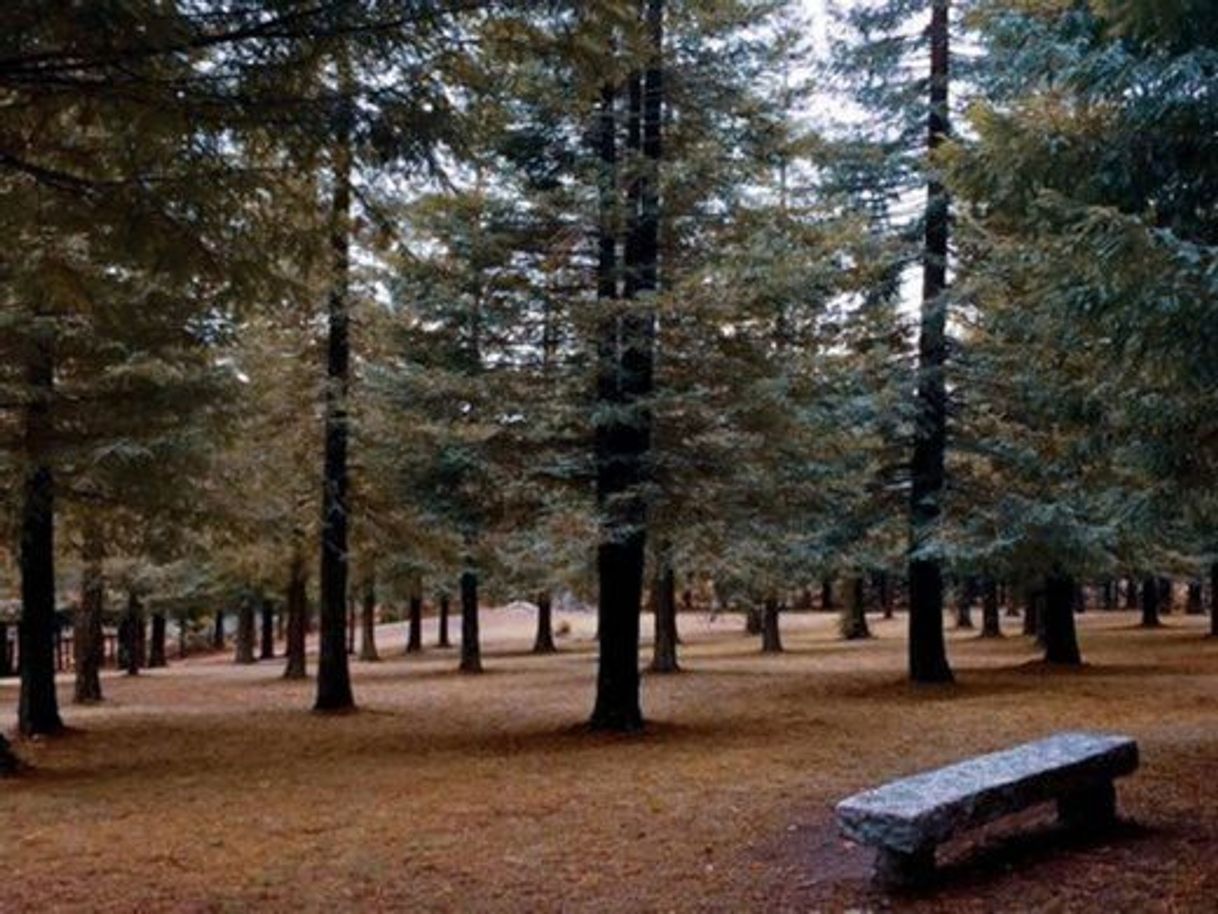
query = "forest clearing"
{"x": 207, "y": 787}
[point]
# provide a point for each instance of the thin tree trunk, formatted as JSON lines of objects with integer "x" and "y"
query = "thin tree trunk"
{"x": 444, "y": 610}
{"x": 367, "y": 642}
{"x": 964, "y": 602}
{"x": 1150, "y": 602}
{"x": 156, "y": 645}
{"x": 1214, "y": 600}
{"x": 133, "y": 655}
{"x": 351, "y": 620}
{"x": 1031, "y": 611}
{"x": 297, "y": 613}
{"x": 1131, "y": 592}
{"x": 991, "y": 626}
{"x": 87, "y": 643}
{"x": 664, "y": 649}
{"x": 246, "y": 630}
{"x": 37, "y": 704}
{"x": 1061, "y": 638}
{"x": 471, "y": 650}
{"x": 1195, "y": 605}
{"x": 414, "y": 639}
{"x": 544, "y": 642}
{"x": 266, "y": 647}
{"x": 771, "y": 634}
{"x": 854, "y": 616}
{"x": 333, "y": 671}
{"x": 927, "y": 647}
{"x": 217, "y": 632}
{"x": 885, "y": 589}
{"x": 826, "y": 593}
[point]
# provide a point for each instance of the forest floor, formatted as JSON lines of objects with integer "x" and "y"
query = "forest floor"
{"x": 210, "y": 787}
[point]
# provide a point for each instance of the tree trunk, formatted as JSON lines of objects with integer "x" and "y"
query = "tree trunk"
{"x": 297, "y": 612}
{"x": 246, "y": 630}
{"x": 266, "y": 646}
{"x": 1031, "y": 612}
{"x": 333, "y": 672}
{"x": 1195, "y": 605}
{"x": 752, "y": 621}
{"x": 183, "y": 621}
{"x": 854, "y": 616}
{"x": 444, "y": 608}
{"x": 351, "y": 618}
{"x": 156, "y": 646}
{"x": 133, "y": 655}
{"x": 1150, "y": 602}
{"x": 217, "y": 633}
{"x": 37, "y": 704}
{"x": 885, "y": 592}
{"x": 1061, "y": 639}
{"x": 1110, "y": 594}
{"x": 414, "y": 640}
{"x": 1131, "y": 592}
{"x": 964, "y": 602}
{"x": 367, "y": 642}
{"x": 87, "y": 644}
{"x": 771, "y": 633}
{"x": 543, "y": 643}
{"x": 664, "y": 650}
{"x": 1214, "y": 599}
{"x": 991, "y": 627}
{"x": 826, "y": 593}
{"x": 927, "y": 648}
{"x": 471, "y": 650}
{"x": 1166, "y": 596}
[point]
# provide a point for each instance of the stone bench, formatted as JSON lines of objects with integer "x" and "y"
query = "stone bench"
{"x": 906, "y": 819}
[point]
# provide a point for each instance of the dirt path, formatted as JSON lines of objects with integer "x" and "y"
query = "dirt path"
{"x": 209, "y": 787}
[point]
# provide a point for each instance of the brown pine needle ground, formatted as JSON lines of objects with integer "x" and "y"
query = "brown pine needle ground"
{"x": 210, "y": 787}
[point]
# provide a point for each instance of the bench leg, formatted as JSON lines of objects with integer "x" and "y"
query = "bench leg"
{"x": 1088, "y": 809}
{"x": 899, "y": 869}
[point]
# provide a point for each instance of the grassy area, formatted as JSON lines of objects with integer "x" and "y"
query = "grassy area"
{"x": 210, "y": 787}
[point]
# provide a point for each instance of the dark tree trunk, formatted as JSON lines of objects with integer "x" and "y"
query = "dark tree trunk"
{"x": 964, "y": 602}
{"x": 826, "y": 593}
{"x": 624, "y": 382}
{"x": 414, "y": 640}
{"x": 9, "y": 764}
{"x": 297, "y": 612}
{"x": 1061, "y": 639}
{"x": 544, "y": 642}
{"x": 471, "y": 650}
{"x": 752, "y": 621}
{"x": 444, "y": 606}
{"x": 991, "y": 626}
{"x": 1150, "y": 602}
{"x": 183, "y": 622}
{"x": 87, "y": 641}
{"x": 156, "y": 645}
{"x": 266, "y": 647}
{"x": 1195, "y": 605}
{"x": 37, "y": 704}
{"x": 246, "y": 631}
{"x": 333, "y": 672}
{"x": 367, "y": 642}
{"x": 771, "y": 634}
{"x": 1131, "y": 593}
{"x": 217, "y": 632}
{"x": 1110, "y": 594}
{"x": 885, "y": 593}
{"x": 351, "y": 619}
{"x": 133, "y": 654}
{"x": 664, "y": 653}
{"x": 854, "y": 616}
{"x": 1214, "y": 599}
{"x": 927, "y": 648}
{"x": 6, "y": 657}
{"x": 1031, "y": 612}
{"x": 1166, "y": 596}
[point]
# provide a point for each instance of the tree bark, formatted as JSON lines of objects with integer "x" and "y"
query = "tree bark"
{"x": 1150, "y": 602}
{"x": 1031, "y": 611}
{"x": 444, "y": 609}
{"x": 246, "y": 633}
{"x": 297, "y": 612}
{"x": 854, "y": 616}
{"x": 156, "y": 644}
{"x": 664, "y": 648}
{"x": 133, "y": 654}
{"x": 414, "y": 640}
{"x": 333, "y": 672}
{"x": 37, "y": 704}
{"x": 1061, "y": 638}
{"x": 471, "y": 650}
{"x": 771, "y": 634}
{"x": 266, "y": 646}
{"x": 885, "y": 591}
{"x": 543, "y": 643}
{"x": 964, "y": 602}
{"x": 367, "y": 642}
{"x": 927, "y": 647}
{"x": 217, "y": 632}
{"x": 1131, "y": 592}
{"x": 87, "y": 645}
{"x": 826, "y": 593}
{"x": 991, "y": 626}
